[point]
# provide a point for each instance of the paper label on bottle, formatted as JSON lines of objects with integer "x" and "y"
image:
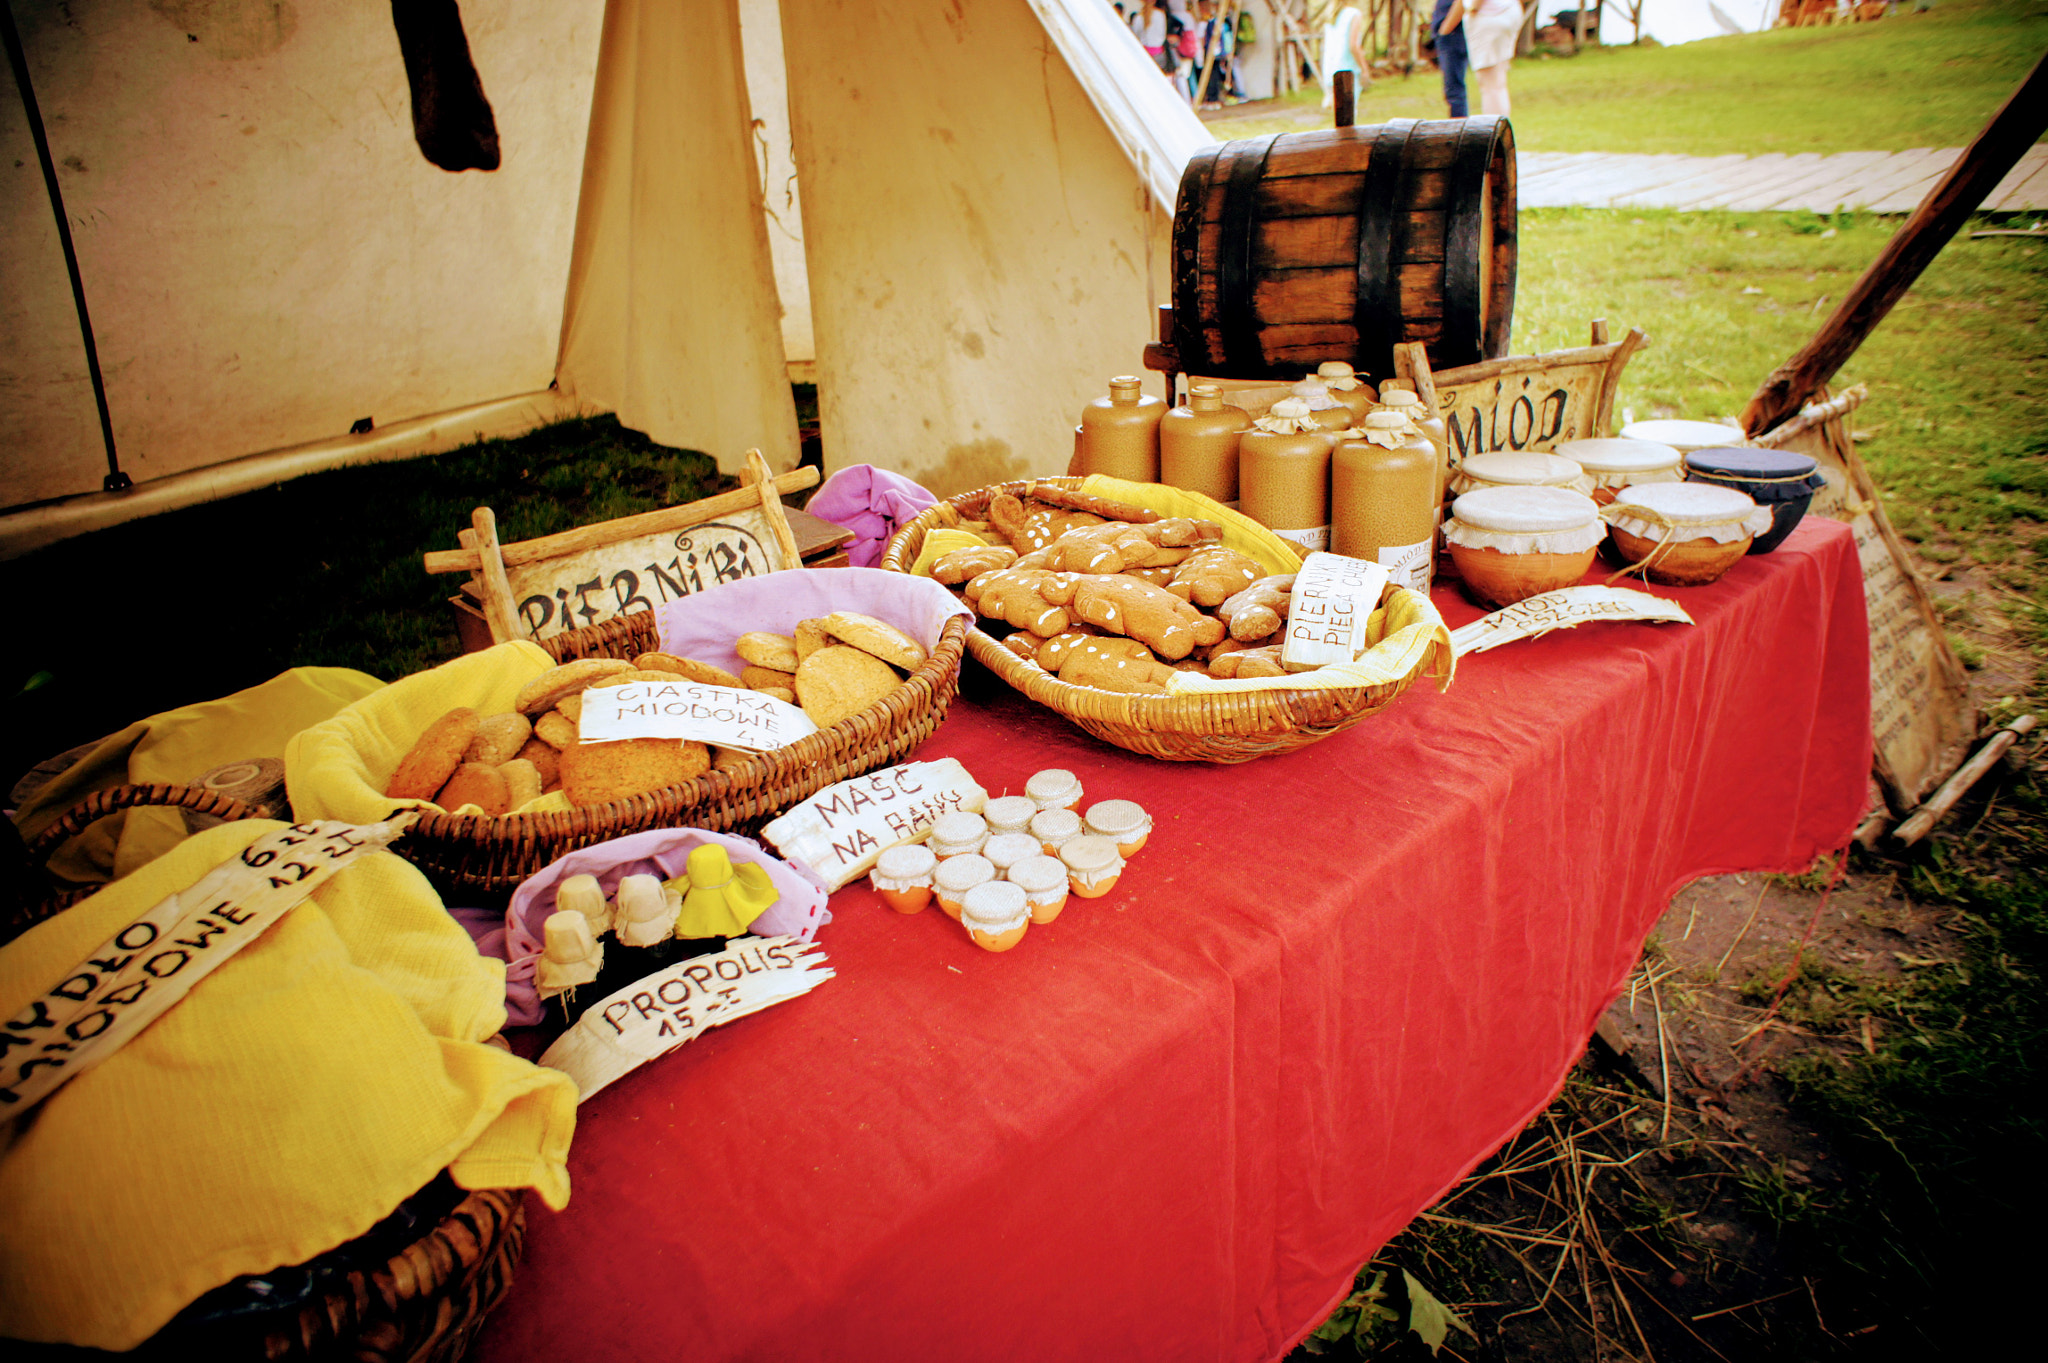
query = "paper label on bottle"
{"x": 1407, "y": 565}
{"x": 692, "y": 710}
{"x": 1333, "y": 598}
{"x": 1313, "y": 540}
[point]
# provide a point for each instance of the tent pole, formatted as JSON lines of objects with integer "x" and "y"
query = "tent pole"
{"x": 115, "y": 481}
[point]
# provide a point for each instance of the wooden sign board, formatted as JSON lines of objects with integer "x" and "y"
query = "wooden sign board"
{"x": 1921, "y": 718}
{"x": 1525, "y": 402}
{"x": 536, "y": 589}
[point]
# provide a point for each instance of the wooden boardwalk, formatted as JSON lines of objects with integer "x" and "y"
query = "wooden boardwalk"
{"x": 1880, "y": 181}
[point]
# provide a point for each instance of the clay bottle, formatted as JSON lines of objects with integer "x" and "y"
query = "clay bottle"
{"x": 1412, "y": 410}
{"x": 1328, "y": 413}
{"x": 1342, "y": 383}
{"x": 1198, "y": 444}
{"x": 1383, "y": 501}
{"x": 1120, "y": 433}
{"x": 1283, "y": 475}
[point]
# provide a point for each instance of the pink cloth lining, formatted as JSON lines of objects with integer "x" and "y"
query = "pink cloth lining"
{"x": 873, "y": 503}
{"x": 703, "y": 625}
{"x": 799, "y": 913}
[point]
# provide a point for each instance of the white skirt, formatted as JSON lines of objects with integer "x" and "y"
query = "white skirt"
{"x": 1490, "y": 35}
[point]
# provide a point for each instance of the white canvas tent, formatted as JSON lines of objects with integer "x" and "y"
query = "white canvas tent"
{"x": 986, "y": 199}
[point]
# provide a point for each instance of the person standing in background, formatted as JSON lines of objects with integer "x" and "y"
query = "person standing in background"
{"x": 1344, "y": 50}
{"x": 1450, "y": 55}
{"x": 1491, "y": 27}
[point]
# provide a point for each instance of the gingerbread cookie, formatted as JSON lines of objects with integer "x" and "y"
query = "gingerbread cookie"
{"x": 594, "y": 773}
{"x": 476, "y": 784}
{"x": 689, "y": 669}
{"x": 763, "y": 649}
{"x": 878, "y": 637}
{"x": 498, "y": 738}
{"x": 840, "y": 681}
{"x": 546, "y": 691}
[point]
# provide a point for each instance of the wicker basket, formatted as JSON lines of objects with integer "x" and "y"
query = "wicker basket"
{"x": 472, "y": 853}
{"x": 414, "y": 1289}
{"x": 1227, "y": 727}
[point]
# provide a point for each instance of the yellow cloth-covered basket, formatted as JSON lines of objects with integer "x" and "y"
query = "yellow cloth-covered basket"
{"x": 1212, "y": 721}
{"x": 338, "y": 769}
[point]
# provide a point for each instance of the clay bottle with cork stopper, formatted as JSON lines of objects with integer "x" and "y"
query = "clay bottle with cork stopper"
{"x": 1383, "y": 499}
{"x": 1120, "y": 433}
{"x": 1283, "y": 474}
{"x": 1341, "y": 381}
{"x": 1397, "y": 394}
{"x": 1198, "y": 444}
{"x": 1329, "y": 414}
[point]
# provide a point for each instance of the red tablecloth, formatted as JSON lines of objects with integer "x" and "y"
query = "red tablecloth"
{"x": 1173, "y": 1123}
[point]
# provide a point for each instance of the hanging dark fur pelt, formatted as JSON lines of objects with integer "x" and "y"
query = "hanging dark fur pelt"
{"x": 451, "y": 116}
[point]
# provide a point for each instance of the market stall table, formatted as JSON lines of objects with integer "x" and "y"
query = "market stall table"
{"x": 1174, "y": 1122}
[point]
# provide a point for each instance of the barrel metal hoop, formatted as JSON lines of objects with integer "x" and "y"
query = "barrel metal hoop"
{"x": 1376, "y": 311}
{"x": 1236, "y": 305}
{"x": 1461, "y": 341}
{"x": 1189, "y": 324}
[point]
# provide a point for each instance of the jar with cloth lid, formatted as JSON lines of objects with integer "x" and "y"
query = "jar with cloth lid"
{"x": 1612, "y": 465}
{"x": 1341, "y": 382}
{"x": 1683, "y": 436}
{"x": 1323, "y": 407}
{"x": 1683, "y": 534}
{"x": 1779, "y": 479}
{"x": 1519, "y": 468}
{"x": 1283, "y": 475}
{"x": 1512, "y": 543}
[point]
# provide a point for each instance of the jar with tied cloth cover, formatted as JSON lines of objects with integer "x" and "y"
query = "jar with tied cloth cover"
{"x": 1683, "y": 436}
{"x": 1519, "y": 468}
{"x": 1512, "y": 543}
{"x": 1614, "y": 464}
{"x": 1283, "y": 474}
{"x": 1782, "y": 480}
{"x": 1684, "y": 534}
{"x": 1341, "y": 382}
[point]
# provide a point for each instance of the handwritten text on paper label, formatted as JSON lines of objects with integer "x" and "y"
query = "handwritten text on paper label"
{"x": 693, "y": 710}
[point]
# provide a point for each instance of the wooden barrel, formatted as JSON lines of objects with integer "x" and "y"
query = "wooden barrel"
{"x": 1297, "y": 248}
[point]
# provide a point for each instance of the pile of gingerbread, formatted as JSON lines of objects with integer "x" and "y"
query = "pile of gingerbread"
{"x": 1101, "y": 593}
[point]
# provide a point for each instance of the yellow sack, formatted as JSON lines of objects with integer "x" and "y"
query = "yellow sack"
{"x": 178, "y": 747}
{"x": 308, "y": 1086}
{"x": 338, "y": 769}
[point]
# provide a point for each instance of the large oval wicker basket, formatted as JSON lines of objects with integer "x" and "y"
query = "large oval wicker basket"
{"x": 1227, "y": 727}
{"x": 472, "y": 853}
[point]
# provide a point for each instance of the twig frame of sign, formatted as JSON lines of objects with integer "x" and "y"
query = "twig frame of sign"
{"x": 532, "y": 589}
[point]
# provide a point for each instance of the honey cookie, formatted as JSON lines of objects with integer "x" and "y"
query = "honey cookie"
{"x": 476, "y": 784}
{"x": 810, "y": 637}
{"x": 557, "y": 730}
{"x": 764, "y": 649}
{"x": 878, "y": 637}
{"x": 498, "y": 739}
{"x": 689, "y": 669}
{"x": 545, "y": 759}
{"x": 434, "y": 758}
{"x": 594, "y": 773}
{"x": 546, "y": 691}
{"x": 840, "y": 681}
{"x": 761, "y": 678}
{"x": 781, "y": 693}
{"x": 522, "y": 782}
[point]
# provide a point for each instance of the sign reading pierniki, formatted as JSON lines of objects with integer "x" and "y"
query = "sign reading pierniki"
{"x": 723, "y": 715}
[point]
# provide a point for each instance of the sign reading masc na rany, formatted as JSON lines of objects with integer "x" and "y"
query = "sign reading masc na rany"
{"x": 693, "y": 710}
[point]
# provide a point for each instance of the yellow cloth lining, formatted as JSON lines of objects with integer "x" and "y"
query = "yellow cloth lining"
{"x": 330, "y": 1069}
{"x": 178, "y": 747}
{"x": 338, "y": 769}
{"x": 1414, "y": 637}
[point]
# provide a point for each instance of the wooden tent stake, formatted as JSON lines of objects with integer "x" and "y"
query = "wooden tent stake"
{"x": 1947, "y": 206}
{"x": 1921, "y": 821}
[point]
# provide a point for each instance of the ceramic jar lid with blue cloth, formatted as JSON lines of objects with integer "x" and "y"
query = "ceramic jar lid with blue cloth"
{"x": 1779, "y": 479}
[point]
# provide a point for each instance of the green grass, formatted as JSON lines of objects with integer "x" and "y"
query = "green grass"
{"x": 322, "y": 570}
{"x": 1954, "y": 431}
{"x": 1911, "y": 80}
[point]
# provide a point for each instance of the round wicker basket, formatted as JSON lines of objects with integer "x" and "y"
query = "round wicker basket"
{"x": 414, "y": 1289}
{"x": 476, "y": 853}
{"x": 1229, "y": 727}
